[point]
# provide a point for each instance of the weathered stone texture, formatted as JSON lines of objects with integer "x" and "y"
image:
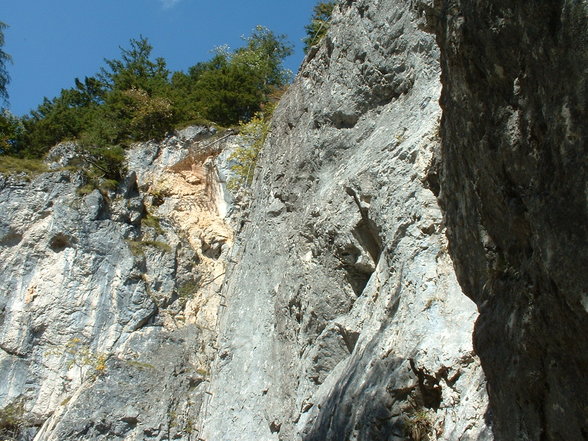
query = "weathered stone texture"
{"x": 513, "y": 186}
{"x": 108, "y": 299}
{"x": 343, "y": 317}
{"x": 338, "y": 314}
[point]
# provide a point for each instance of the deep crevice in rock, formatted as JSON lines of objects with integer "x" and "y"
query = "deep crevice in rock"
{"x": 355, "y": 260}
{"x": 429, "y": 387}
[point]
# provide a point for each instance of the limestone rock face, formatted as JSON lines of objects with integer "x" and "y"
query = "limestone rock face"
{"x": 325, "y": 303}
{"x": 109, "y": 297}
{"x": 343, "y": 317}
{"x": 513, "y": 186}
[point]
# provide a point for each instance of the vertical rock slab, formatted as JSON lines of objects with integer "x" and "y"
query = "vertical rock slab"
{"x": 513, "y": 187}
{"x": 342, "y": 317}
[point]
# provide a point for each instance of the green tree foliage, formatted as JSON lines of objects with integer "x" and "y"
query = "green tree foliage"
{"x": 9, "y": 125}
{"x": 128, "y": 116}
{"x": 263, "y": 55}
{"x": 10, "y": 129}
{"x": 234, "y": 84}
{"x": 244, "y": 158}
{"x": 107, "y": 162}
{"x": 4, "y": 60}
{"x": 151, "y": 116}
{"x": 135, "y": 69}
{"x": 62, "y": 118}
{"x": 136, "y": 98}
{"x": 118, "y": 106}
{"x": 319, "y": 23}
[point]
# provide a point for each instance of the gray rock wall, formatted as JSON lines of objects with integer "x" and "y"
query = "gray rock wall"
{"x": 513, "y": 187}
{"x": 338, "y": 314}
{"x": 109, "y": 296}
{"x": 343, "y": 317}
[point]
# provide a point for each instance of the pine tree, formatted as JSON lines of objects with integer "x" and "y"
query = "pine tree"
{"x": 135, "y": 69}
{"x": 233, "y": 86}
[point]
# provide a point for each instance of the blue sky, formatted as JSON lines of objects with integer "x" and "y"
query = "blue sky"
{"x": 54, "y": 41}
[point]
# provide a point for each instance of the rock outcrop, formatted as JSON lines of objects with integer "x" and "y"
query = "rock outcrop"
{"x": 343, "y": 318}
{"x": 110, "y": 296}
{"x": 425, "y": 147}
{"x": 513, "y": 185}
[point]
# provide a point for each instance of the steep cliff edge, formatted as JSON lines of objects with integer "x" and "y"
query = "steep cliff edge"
{"x": 513, "y": 186}
{"x": 343, "y": 317}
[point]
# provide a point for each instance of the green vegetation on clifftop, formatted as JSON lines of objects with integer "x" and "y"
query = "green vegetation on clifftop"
{"x": 136, "y": 98}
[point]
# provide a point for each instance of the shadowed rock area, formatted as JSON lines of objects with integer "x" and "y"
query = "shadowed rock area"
{"x": 513, "y": 187}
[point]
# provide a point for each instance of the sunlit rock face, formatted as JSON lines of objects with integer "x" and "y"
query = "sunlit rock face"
{"x": 110, "y": 296}
{"x": 344, "y": 319}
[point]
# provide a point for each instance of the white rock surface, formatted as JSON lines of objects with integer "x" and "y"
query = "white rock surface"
{"x": 344, "y": 319}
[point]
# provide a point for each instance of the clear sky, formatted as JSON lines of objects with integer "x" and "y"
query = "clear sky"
{"x": 54, "y": 41}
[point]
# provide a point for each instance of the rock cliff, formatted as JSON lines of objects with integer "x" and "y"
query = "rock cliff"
{"x": 344, "y": 319}
{"x": 109, "y": 295}
{"x": 425, "y": 147}
{"x": 513, "y": 185}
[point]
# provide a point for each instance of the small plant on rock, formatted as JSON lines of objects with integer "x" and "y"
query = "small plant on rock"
{"x": 151, "y": 221}
{"x": 188, "y": 289}
{"x": 319, "y": 24}
{"x": 137, "y": 247}
{"x": 244, "y": 158}
{"x": 11, "y": 421}
{"x": 79, "y": 354}
{"x": 419, "y": 425}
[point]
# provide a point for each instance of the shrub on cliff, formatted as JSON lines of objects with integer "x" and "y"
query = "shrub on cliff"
{"x": 11, "y": 421}
{"x": 319, "y": 23}
{"x": 244, "y": 158}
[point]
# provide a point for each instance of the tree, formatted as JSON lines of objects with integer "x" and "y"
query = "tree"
{"x": 234, "y": 85}
{"x": 319, "y": 23}
{"x": 4, "y": 60}
{"x": 10, "y": 129}
{"x": 134, "y": 106}
{"x": 135, "y": 69}
{"x": 193, "y": 93}
{"x": 263, "y": 56}
{"x": 151, "y": 116}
